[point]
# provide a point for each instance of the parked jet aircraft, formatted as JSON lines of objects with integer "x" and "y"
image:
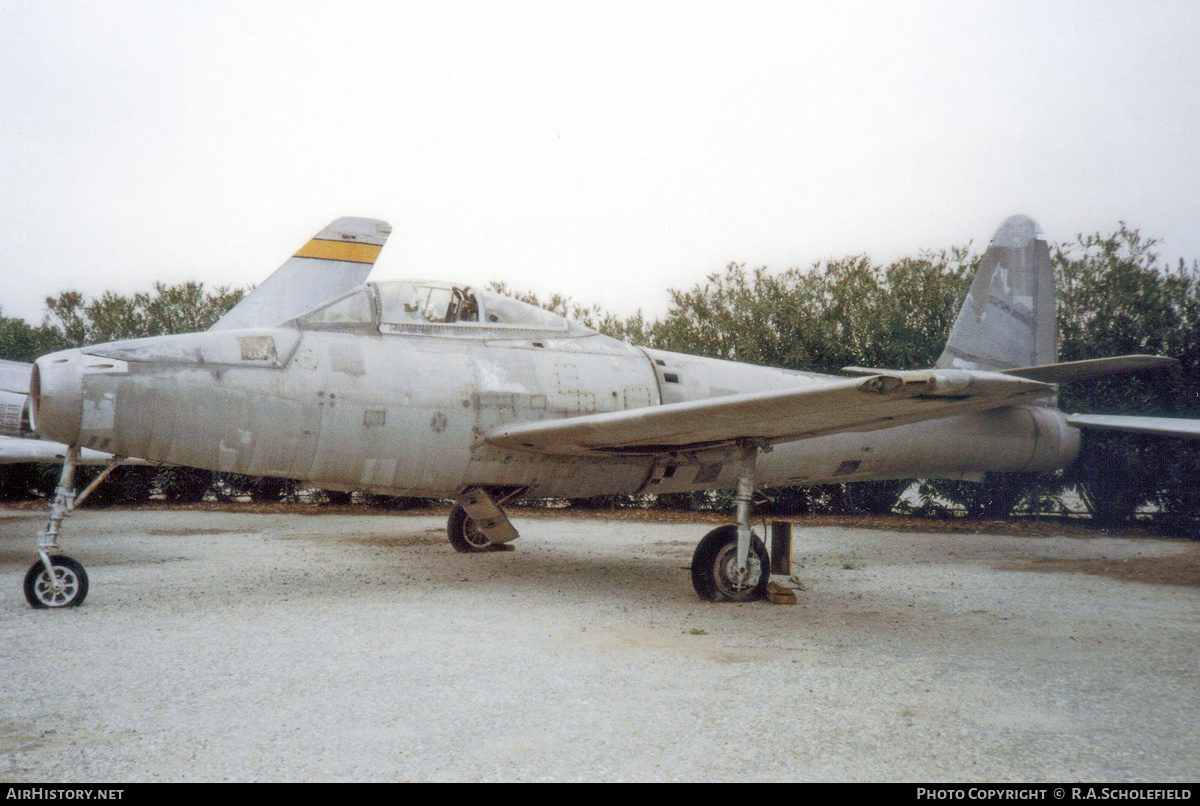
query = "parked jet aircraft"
{"x": 430, "y": 388}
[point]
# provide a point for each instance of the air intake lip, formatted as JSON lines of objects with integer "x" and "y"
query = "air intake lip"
{"x": 56, "y": 396}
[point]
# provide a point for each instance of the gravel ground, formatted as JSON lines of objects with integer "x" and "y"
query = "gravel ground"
{"x": 236, "y": 646}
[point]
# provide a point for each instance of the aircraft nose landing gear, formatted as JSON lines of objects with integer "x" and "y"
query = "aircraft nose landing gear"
{"x": 55, "y": 580}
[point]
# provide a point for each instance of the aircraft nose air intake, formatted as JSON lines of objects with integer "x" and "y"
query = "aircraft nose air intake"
{"x": 56, "y": 396}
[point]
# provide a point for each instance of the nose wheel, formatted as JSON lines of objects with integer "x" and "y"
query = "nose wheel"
{"x": 67, "y": 586}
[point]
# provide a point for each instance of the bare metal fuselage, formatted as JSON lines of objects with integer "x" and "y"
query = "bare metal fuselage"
{"x": 409, "y": 413}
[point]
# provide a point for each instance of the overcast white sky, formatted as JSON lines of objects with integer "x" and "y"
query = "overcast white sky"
{"x": 607, "y": 150}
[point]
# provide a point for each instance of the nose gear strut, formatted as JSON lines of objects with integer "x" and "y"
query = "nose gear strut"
{"x": 56, "y": 580}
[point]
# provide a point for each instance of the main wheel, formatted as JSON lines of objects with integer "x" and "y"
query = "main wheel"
{"x": 714, "y": 568}
{"x": 463, "y": 533}
{"x": 72, "y": 579}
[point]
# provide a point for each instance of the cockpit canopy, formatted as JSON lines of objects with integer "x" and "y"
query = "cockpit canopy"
{"x": 419, "y": 306}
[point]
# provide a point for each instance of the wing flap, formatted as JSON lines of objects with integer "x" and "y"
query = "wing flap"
{"x": 857, "y": 404}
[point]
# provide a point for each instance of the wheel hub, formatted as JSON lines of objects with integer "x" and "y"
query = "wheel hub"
{"x": 58, "y": 591}
{"x": 729, "y": 579}
{"x": 473, "y": 536}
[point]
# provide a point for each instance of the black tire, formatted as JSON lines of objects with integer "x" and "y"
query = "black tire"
{"x": 37, "y": 584}
{"x": 715, "y": 560}
{"x": 463, "y": 535}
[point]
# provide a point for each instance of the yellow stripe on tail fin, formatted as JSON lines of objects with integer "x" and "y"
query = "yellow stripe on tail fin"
{"x": 348, "y": 251}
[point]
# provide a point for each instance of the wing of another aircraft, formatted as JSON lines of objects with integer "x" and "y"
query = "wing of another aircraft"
{"x": 337, "y": 259}
{"x": 16, "y": 450}
{"x": 857, "y": 404}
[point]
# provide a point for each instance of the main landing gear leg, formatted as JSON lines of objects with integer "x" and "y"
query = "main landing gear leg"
{"x": 56, "y": 580}
{"x": 731, "y": 564}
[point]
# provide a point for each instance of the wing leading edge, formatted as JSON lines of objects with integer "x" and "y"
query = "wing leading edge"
{"x": 857, "y": 404}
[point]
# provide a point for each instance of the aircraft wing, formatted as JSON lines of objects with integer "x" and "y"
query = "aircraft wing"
{"x": 1166, "y": 426}
{"x": 856, "y": 404}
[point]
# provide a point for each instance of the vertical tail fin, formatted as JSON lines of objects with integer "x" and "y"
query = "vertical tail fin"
{"x": 335, "y": 260}
{"x": 1008, "y": 318}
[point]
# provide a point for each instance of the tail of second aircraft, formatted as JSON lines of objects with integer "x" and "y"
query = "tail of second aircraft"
{"x": 1008, "y": 318}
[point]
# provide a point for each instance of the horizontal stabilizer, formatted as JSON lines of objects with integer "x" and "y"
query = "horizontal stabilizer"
{"x": 1072, "y": 371}
{"x": 1069, "y": 371}
{"x": 781, "y": 415}
{"x": 1166, "y": 426}
{"x": 337, "y": 259}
